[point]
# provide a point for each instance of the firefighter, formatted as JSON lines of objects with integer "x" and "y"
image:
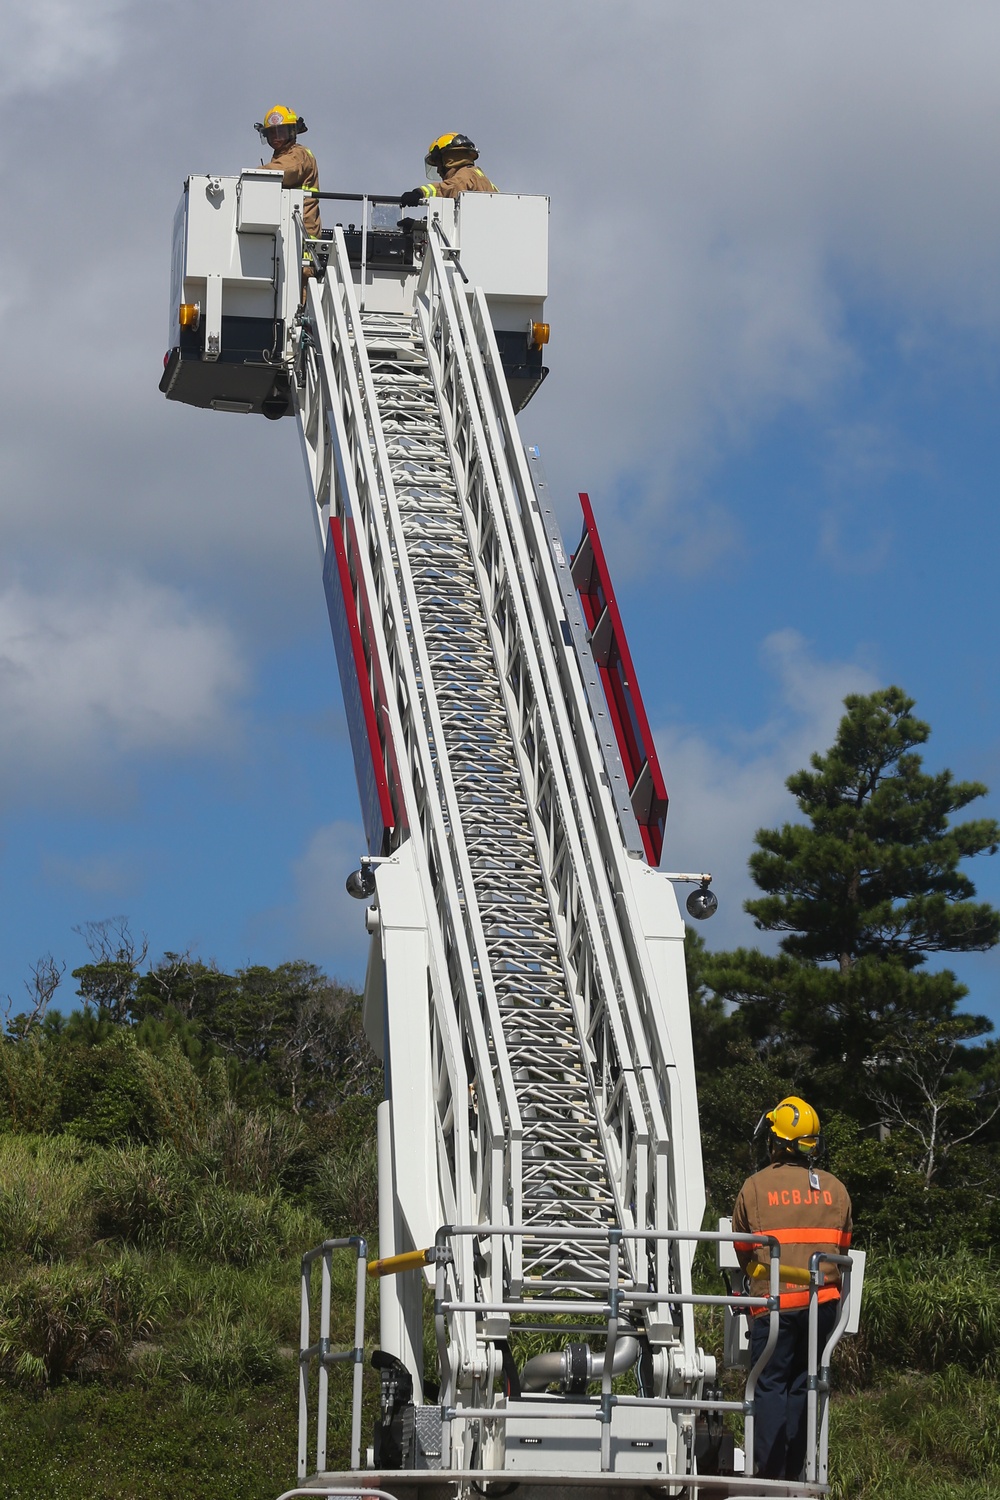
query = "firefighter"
{"x": 453, "y": 157}
{"x": 805, "y": 1209}
{"x": 280, "y": 129}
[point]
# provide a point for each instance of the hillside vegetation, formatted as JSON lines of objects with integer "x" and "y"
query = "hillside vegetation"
{"x": 169, "y": 1149}
{"x": 164, "y": 1162}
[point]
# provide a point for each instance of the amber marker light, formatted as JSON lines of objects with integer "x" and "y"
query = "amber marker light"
{"x": 539, "y": 334}
{"x": 188, "y": 314}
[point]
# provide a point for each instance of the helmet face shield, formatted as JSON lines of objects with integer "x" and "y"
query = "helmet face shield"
{"x": 439, "y": 152}
{"x": 279, "y": 135}
{"x": 279, "y": 117}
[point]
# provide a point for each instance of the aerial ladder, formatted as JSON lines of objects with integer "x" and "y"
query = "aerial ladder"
{"x": 540, "y": 1181}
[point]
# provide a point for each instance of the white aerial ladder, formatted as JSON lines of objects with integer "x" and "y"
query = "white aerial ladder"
{"x": 539, "y": 1152}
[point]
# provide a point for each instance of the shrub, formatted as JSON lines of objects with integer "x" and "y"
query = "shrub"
{"x": 140, "y": 1194}
{"x": 243, "y": 1229}
{"x": 30, "y": 1083}
{"x": 921, "y": 1316}
{"x": 223, "y": 1354}
{"x": 62, "y": 1322}
{"x": 44, "y": 1190}
{"x": 249, "y": 1149}
{"x": 345, "y": 1190}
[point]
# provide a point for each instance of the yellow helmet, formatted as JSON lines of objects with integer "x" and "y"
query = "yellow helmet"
{"x": 280, "y": 114}
{"x": 452, "y": 142}
{"x": 795, "y": 1122}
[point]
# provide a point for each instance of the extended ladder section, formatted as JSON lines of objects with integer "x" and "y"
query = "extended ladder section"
{"x": 539, "y": 1152}
{"x": 501, "y": 881}
{"x": 558, "y": 1094}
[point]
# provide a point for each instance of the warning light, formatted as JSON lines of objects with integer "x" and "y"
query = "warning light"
{"x": 539, "y": 333}
{"x": 189, "y": 314}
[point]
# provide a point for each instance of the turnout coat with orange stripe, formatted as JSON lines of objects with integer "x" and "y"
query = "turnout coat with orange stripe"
{"x": 782, "y": 1201}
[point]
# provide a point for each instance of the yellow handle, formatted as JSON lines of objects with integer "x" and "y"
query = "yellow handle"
{"x": 797, "y": 1275}
{"x": 393, "y": 1264}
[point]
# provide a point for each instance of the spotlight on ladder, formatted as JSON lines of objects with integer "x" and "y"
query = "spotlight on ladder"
{"x": 361, "y": 883}
{"x": 702, "y": 903}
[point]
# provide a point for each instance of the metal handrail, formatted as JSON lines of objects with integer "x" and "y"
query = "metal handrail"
{"x": 620, "y": 1298}
{"x": 623, "y": 1298}
{"x": 818, "y": 1388}
{"x": 338, "y": 1490}
{"x": 325, "y": 1356}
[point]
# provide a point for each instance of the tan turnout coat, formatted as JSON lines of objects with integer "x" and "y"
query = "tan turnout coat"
{"x": 298, "y": 169}
{"x": 782, "y": 1201}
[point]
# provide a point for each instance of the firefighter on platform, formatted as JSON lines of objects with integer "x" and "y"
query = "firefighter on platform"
{"x": 805, "y": 1209}
{"x": 453, "y": 157}
{"x": 281, "y": 128}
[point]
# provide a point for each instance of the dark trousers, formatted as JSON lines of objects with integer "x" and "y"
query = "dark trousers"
{"x": 779, "y": 1429}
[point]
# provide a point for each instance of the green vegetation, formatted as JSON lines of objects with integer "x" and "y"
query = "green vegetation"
{"x": 166, "y": 1155}
{"x": 865, "y": 887}
{"x": 918, "y": 1437}
{"x": 168, "y": 1150}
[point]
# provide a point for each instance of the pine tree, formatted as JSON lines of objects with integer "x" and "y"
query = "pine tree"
{"x": 864, "y": 889}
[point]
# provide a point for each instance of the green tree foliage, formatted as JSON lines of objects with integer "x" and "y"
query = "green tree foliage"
{"x": 109, "y": 983}
{"x": 874, "y": 871}
{"x": 864, "y": 888}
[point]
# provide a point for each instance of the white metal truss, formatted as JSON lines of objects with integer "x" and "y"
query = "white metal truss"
{"x": 542, "y": 995}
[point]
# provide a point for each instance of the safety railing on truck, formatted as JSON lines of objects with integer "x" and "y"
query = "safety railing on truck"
{"x": 614, "y": 1312}
{"x": 325, "y": 1356}
{"x": 376, "y": 238}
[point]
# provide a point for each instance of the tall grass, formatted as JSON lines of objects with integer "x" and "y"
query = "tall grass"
{"x": 249, "y": 1149}
{"x": 140, "y": 1193}
{"x": 345, "y": 1190}
{"x": 920, "y": 1315}
{"x": 918, "y": 1437}
{"x": 223, "y": 1354}
{"x": 68, "y": 1321}
{"x": 150, "y": 1197}
{"x": 243, "y": 1229}
{"x": 44, "y": 1186}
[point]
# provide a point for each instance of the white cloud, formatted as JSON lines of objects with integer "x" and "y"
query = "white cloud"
{"x": 775, "y": 171}
{"x": 724, "y": 178}
{"x": 719, "y": 797}
{"x": 47, "y": 42}
{"x": 326, "y": 920}
{"x": 86, "y": 678}
{"x": 104, "y": 875}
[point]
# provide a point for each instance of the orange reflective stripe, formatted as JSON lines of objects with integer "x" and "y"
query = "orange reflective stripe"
{"x": 789, "y": 1301}
{"x": 840, "y": 1237}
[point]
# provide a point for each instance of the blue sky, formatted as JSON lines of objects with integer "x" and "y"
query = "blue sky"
{"x": 775, "y": 367}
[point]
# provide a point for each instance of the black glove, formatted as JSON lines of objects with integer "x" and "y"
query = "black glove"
{"x": 412, "y": 198}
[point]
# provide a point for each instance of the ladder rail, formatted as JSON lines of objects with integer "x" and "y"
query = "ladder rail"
{"x": 318, "y": 448}
{"x": 340, "y": 353}
{"x": 667, "y": 1074}
{"x": 630, "y": 1097}
{"x": 659, "y": 1067}
{"x": 558, "y": 1140}
{"x": 532, "y": 726}
{"x": 464, "y": 445}
{"x": 518, "y": 495}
